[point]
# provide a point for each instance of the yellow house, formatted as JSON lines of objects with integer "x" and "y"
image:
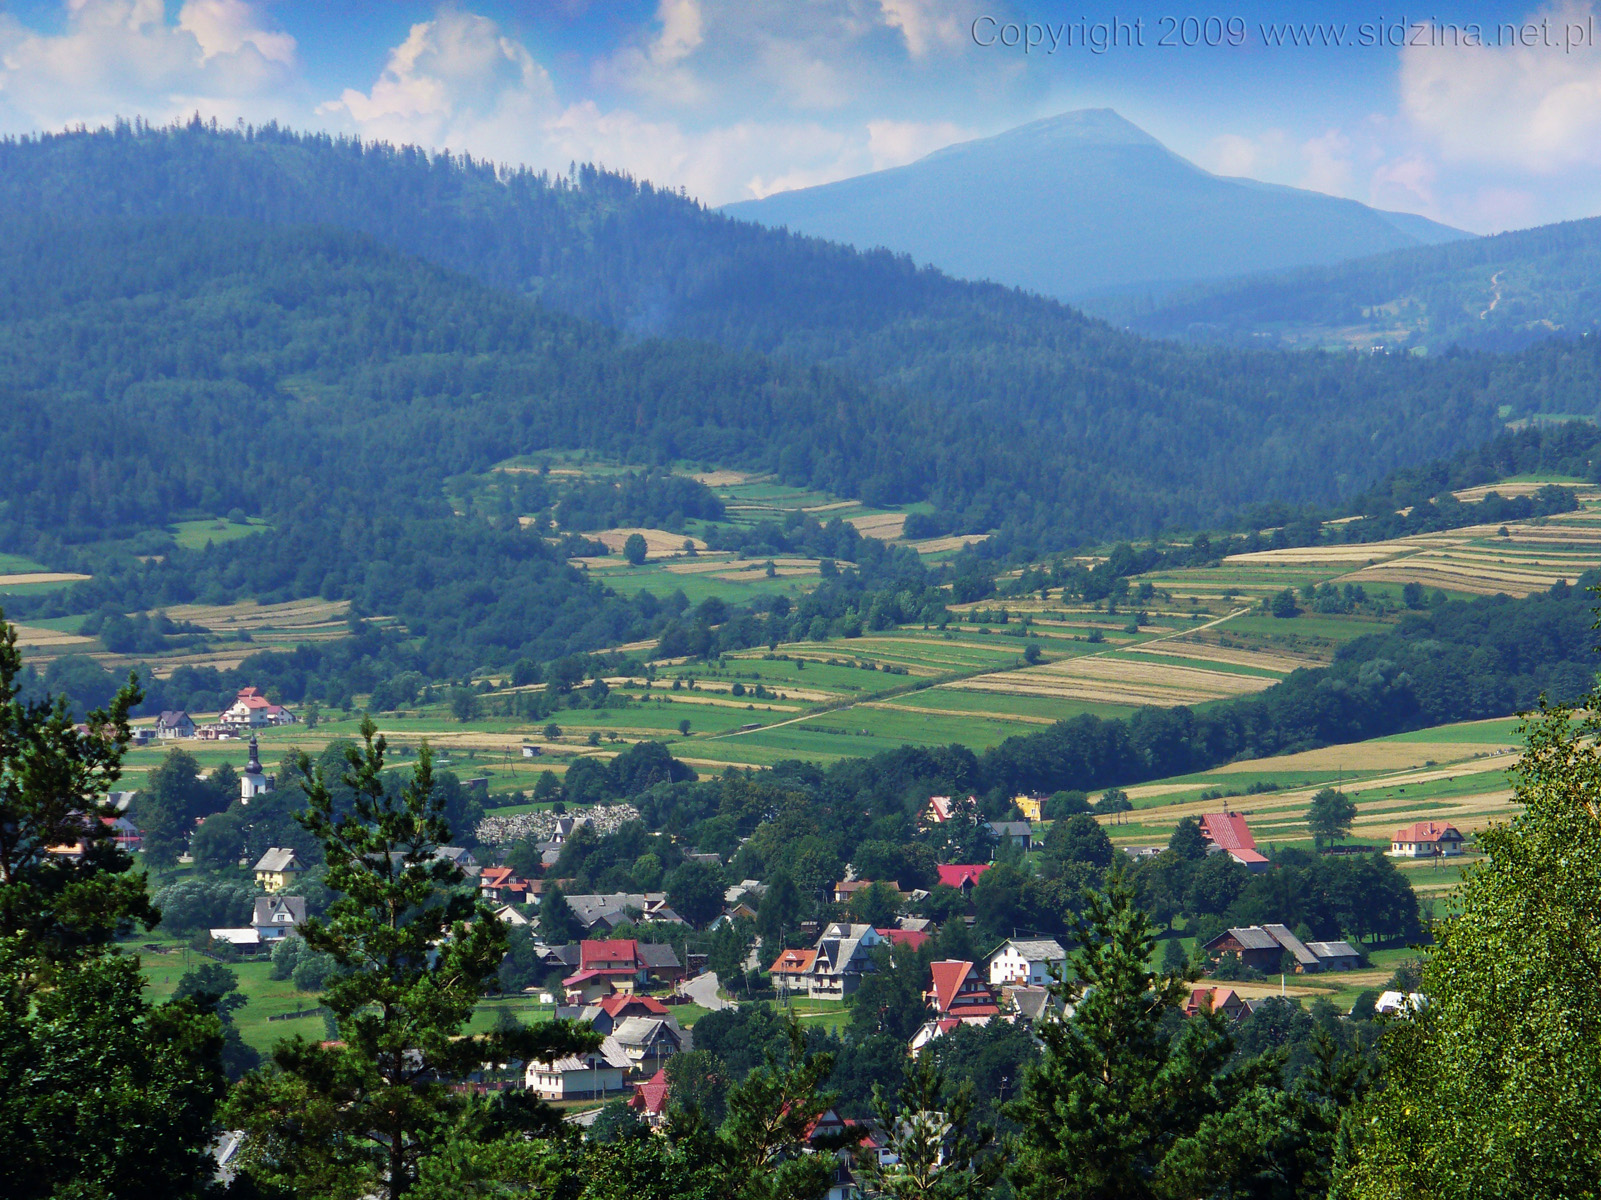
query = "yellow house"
{"x": 278, "y": 869}
{"x": 1028, "y": 806}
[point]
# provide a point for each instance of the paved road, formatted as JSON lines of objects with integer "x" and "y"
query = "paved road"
{"x": 703, "y": 991}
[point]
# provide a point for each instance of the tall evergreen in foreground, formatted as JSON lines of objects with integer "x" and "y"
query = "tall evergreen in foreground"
{"x": 1494, "y": 1088}
{"x": 416, "y": 951}
{"x": 102, "y": 1094}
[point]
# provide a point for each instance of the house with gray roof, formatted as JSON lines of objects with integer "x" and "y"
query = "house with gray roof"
{"x": 278, "y": 916}
{"x": 843, "y": 955}
{"x": 1025, "y": 962}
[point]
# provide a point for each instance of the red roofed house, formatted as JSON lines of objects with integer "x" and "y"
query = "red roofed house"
{"x": 605, "y": 967}
{"x": 962, "y": 876}
{"x": 912, "y": 939}
{"x": 960, "y": 990}
{"x": 611, "y": 1011}
{"x": 251, "y": 709}
{"x": 501, "y": 885}
{"x": 1426, "y": 839}
{"x": 650, "y": 1099}
{"x": 1218, "y": 999}
{"x": 1230, "y": 834}
{"x": 791, "y": 970}
{"x": 960, "y": 995}
{"x": 938, "y": 810}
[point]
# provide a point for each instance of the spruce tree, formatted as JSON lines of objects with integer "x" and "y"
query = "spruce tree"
{"x": 939, "y": 1152}
{"x": 415, "y": 952}
{"x": 1117, "y": 1089}
{"x": 101, "y": 1092}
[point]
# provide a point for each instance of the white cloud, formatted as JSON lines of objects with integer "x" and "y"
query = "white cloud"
{"x": 928, "y": 25}
{"x": 1327, "y": 160}
{"x": 1533, "y": 108}
{"x": 124, "y": 57}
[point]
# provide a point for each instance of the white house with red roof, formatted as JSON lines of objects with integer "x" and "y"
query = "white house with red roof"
{"x": 1426, "y": 839}
{"x": 937, "y": 811}
{"x": 1230, "y": 833}
{"x": 252, "y": 710}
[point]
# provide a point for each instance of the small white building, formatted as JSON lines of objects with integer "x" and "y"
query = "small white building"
{"x": 1025, "y": 962}
{"x": 1426, "y": 839}
{"x": 586, "y": 1076}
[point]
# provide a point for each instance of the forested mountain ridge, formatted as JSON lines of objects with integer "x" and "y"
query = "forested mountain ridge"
{"x": 1069, "y": 430}
{"x": 1493, "y": 293}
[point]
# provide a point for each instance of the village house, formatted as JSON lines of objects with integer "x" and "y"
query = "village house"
{"x": 650, "y": 1100}
{"x": 1229, "y": 833}
{"x": 959, "y": 996}
{"x": 1032, "y": 807}
{"x": 648, "y": 1042}
{"x": 1223, "y": 1000}
{"x": 618, "y": 965}
{"x": 791, "y": 971}
{"x": 587, "y": 1076}
{"x": 1426, "y": 839}
{"x": 278, "y": 869}
{"x": 174, "y": 724}
{"x": 962, "y": 876}
{"x": 846, "y": 888}
{"x": 278, "y": 916}
{"x": 1025, "y": 962}
{"x": 843, "y": 954}
{"x": 937, "y": 811}
{"x": 500, "y": 885}
{"x": 912, "y": 939}
{"x": 252, "y": 710}
{"x": 1019, "y": 833}
{"x": 610, "y": 1011}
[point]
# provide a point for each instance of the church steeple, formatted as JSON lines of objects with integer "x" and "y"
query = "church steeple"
{"x": 254, "y": 781}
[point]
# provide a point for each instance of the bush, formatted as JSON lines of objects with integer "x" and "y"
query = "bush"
{"x": 196, "y": 904}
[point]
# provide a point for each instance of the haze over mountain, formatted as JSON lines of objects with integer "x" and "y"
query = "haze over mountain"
{"x": 1082, "y": 203}
{"x": 1493, "y": 293}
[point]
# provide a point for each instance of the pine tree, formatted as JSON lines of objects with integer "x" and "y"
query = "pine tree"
{"x": 415, "y": 953}
{"x": 558, "y": 924}
{"x": 101, "y": 1092}
{"x": 1115, "y": 1091}
{"x": 939, "y": 1153}
{"x": 767, "y": 1145}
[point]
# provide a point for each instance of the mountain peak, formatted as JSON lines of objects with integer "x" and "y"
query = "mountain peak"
{"x": 1080, "y": 128}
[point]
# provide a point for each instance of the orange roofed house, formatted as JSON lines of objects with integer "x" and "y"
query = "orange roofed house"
{"x": 959, "y": 995}
{"x": 1223, "y": 1000}
{"x": 1426, "y": 839}
{"x": 1230, "y": 834}
{"x": 791, "y": 971}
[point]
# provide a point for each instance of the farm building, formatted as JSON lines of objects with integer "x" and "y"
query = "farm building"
{"x": 1230, "y": 834}
{"x": 1426, "y": 839}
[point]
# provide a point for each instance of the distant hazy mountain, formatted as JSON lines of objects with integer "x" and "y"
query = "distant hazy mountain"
{"x": 1494, "y": 293}
{"x": 1085, "y": 203}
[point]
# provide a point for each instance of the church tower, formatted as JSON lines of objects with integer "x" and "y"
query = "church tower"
{"x": 253, "y": 782}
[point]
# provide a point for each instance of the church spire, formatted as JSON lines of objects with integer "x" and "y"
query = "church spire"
{"x": 254, "y": 766}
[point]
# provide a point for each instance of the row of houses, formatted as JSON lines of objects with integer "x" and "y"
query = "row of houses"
{"x": 250, "y": 710}
{"x": 833, "y": 968}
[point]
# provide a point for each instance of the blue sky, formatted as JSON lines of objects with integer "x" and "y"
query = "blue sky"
{"x": 738, "y": 98}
